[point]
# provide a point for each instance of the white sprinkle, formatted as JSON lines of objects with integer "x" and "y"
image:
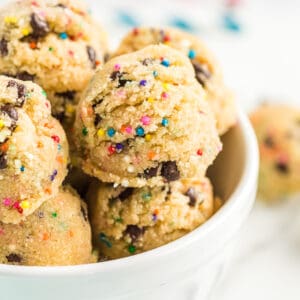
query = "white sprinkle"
{"x": 130, "y": 169}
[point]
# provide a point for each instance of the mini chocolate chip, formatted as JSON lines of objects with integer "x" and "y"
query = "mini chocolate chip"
{"x": 147, "y": 61}
{"x": 151, "y": 172}
{"x": 10, "y": 111}
{"x": 170, "y": 171}
{"x": 25, "y": 76}
{"x": 201, "y": 73}
{"x": 134, "y": 232}
{"x": 14, "y": 258}
{"x": 119, "y": 75}
{"x": 269, "y": 142}
{"x": 3, "y": 161}
{"x": 3, "y": 47}
{"x": 92, "y": 55}
{"x": 125, "y": 194}
{"x": 192, "y": 194}
{"x": 97, "y": 120}
{"x": 68, "y": 95}
{"x": 21, "y": 91}
{"x": 61, "y": 5}
{"x": 39, "y": 26}
{"x": 59, "y": 116}
{"x": 282, "y": 167}
{"x": 84, "y": 213}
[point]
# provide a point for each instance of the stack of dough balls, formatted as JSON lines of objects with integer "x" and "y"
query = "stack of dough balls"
{"x": 145, "y": 129}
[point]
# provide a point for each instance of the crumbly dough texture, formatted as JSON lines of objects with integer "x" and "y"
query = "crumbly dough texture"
{"x": 144, "y": 121}
{"x": 278, "y": 132}
{"x": 33, "y": 150}
{"x": 54, "y": 43}
{"x": 56, "y": 234}
{"x": 207, "y": 69}
{"x": 128, "y": 221}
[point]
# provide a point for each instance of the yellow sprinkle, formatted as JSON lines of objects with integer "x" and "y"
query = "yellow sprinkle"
{"x": 165, "y": 86}
{"x": 100, "y": 132}
{"x": 148, "y": 137}
{"x": 10, "y": 20}
{"x": 150, "y": 99}
{"x": 70, "y": 108}
{"x": 24, "y": 204}
{"x": 1, "y": 124}
{"x": 25, "y": 31}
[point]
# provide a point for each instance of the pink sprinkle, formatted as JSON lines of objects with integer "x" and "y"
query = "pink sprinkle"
{"x": 121, "y": 94}
{"x": 7, "y": 202}
{"x": 117, "y": 67}
{"x": 71, "y": 53}
{"x": 164, "y": 95}
{"x": 16, "y": 205}
{"x": 128, "y": 129}
{"x": 145, "y": 120}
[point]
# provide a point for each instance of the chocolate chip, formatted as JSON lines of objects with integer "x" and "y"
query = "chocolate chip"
{"x": 125, "y": 194}
{"x": 67, "y": 95}
{"x": 61, "y": 5}
{"x": 269, "y": 142}
{"x": 147, "y": 61}
{"x": 282, "y": 167}
{"x": 170, "y": 171}
{"x": 202, "y": 74}
{"x": 3, "y": 47}
{"x": 24, "y": 76}
{"x": 151, "y": 172}
{"x": 117, "y": 75}
{"x": 134, "y": 232}
{"x": 10, "y": 111}
{"x": 84, "y": 213}
{"x": 192, "y": 194}
{"x": 97, "y": 120}
{"x": 39, "y": 26}
{"x": 14, "y": 258}
{"x": 21, "y": 91}
{"x": 92, "y": 55}
{"x": 3, "y": 161}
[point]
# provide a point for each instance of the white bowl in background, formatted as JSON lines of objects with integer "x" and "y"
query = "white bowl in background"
{"x": 187, "y": 268}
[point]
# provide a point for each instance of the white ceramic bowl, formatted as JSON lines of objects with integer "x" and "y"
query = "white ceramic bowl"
{"x": 187, "y": 268}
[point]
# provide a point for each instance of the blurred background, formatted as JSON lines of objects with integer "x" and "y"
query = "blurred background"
{"x": 257, "y": 43}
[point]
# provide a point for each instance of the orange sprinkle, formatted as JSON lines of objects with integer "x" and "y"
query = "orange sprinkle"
{"x": 40, "y": 145}
{"x": 60, "y": 159}
{"x": 97, "y": 62}
{"x": 89, "y": 111}
{"x": 151, "y": 154}
{"x": 4, "y": 147}
{"x": 45, "y": 236}
{"x": 48, "y": 191}
{"x": 71, "y": 233}
{"x": 156, "y": 211}
{"x": 50, "y": 126}
{"x": 33, "y": 45}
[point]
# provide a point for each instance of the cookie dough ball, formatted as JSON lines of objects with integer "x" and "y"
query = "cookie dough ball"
{"x": 56, "y": 234}
{"x": 278, "y": 132}
{"x": 207, "y": 69}
{"x": 54, "y": 43}
{"x": 128, "y": 221}
{"x": 144, "y": 120}
{"x": 33, "y": 150}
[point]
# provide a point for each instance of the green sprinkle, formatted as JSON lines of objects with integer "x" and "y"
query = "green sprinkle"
{"x": 131, "y": 249}
{"x": 44, "y": 93}
{"x": 54, "y": 214}
{"x": 85, "y": 131}
{"x": 118, "y": 220}
{"x": 147, "y": 196}
{"x": 50, "y": 49}
{"x": 104, "y": 239}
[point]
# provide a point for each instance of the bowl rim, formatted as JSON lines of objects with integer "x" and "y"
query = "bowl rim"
{"x": 244, "y": 186}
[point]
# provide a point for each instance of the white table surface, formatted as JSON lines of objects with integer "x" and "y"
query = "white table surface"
{"x": 262, "y": 62}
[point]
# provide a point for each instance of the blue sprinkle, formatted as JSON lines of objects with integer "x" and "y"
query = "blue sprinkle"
{"x": 165, "y": 62}
{"x": 154, "y": 217}
{"x": 119, "y": 147}
{"x": 111, "y": 132}
{"x": 230, "y": 23}
{"x": 143, "y": 82}
{"x": 22, "y": 169}
{"x": 192, "y": 54}
{"x": 140, "y": 131}
{"x": 104, "y": 239}
{"x": 165, "y": 122}
{"x": 182, "y": 24}
{"x": 127, "y": 19}
{"x": 63, "y": 35}
{"x": 59, "y": 147}
{"x": 155, "y": 73}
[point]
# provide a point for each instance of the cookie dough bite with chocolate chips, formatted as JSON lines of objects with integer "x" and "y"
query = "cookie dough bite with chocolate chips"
{"x": 278, "y": 132}
{"x": 33, "y": 150}
{"x": 56, "y": 234}
{"x": 207, "y": 69}
{"x": 54, "y": 43}
{"x": 128, "y": 221}
{"x": 144, "y": 121}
